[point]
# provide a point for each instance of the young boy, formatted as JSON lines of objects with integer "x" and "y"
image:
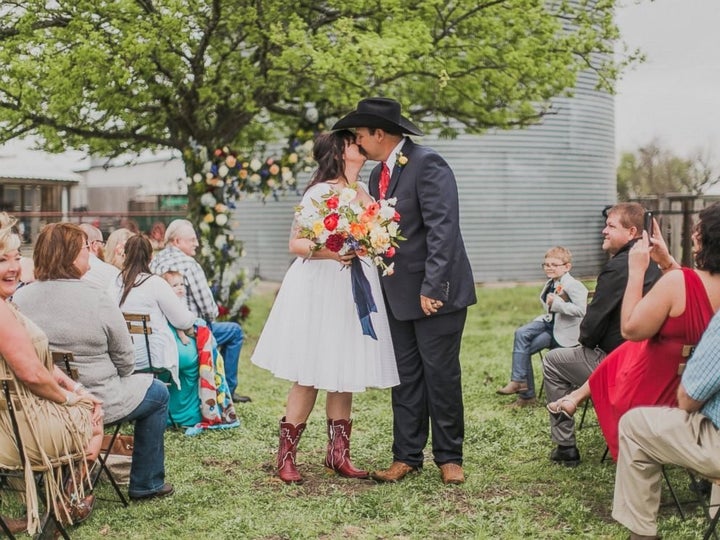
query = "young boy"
{"x": 565, "y": 300}
{"x": 176, "y": 281}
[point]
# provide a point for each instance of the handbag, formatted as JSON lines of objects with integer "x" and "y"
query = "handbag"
{"x": 119, "y": 460}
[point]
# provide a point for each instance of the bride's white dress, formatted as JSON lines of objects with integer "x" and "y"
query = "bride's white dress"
{"x": 313, "y": 335}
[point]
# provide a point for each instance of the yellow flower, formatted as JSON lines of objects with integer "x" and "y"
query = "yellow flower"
{"x": 402, "y": 159}
{"x": 209, "y": 218}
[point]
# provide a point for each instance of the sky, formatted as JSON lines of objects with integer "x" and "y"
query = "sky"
{"x": 675, "y": 94}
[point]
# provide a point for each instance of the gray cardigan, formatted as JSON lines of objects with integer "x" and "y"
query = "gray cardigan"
{"x": 82, "y": 319}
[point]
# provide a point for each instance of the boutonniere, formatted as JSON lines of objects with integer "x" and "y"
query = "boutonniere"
{"x": 401, "y": 159}
{"x": 559, "y": 289}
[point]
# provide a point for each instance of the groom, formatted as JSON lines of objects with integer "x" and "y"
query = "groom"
{"x": 427, "y": 296}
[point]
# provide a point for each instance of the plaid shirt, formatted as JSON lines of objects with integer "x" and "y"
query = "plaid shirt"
{"x": 198, "y": 295}
{"x": 701, "y": 378}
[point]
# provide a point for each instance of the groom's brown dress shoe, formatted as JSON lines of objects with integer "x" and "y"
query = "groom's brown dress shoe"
{"x": 397, "y": 471}
{"x": 452, "y": 473}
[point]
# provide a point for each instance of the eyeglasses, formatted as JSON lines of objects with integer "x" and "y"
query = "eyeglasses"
{"x": 87, "y": 246}
{"x": 552, "y": 265}
{"x": 98, "y": 242}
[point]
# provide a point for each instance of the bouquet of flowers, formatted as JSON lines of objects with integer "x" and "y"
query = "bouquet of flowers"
{"x": 341, "y": 224}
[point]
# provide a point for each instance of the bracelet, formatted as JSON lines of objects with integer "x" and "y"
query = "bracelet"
{"x": 311, "y": 250}
{"x": 673, "y": 262}
{"x": 78, "y": 386}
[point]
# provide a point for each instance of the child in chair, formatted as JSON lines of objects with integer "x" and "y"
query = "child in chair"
{"x": 565, "y": 300}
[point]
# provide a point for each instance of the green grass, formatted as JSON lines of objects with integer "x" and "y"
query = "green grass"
{"x": 225, "y": 487}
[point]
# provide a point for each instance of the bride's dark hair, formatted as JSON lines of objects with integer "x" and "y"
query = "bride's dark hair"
{"x": 328, "y": 154}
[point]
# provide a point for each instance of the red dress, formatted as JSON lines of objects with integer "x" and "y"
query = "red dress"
{"x": 645, "y": 373}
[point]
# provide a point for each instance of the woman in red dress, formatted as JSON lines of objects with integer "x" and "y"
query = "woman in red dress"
{"x": 645, "y": 370}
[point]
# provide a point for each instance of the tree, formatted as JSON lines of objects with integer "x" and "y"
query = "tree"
{"x": 655, "y": 170}
{"x": 112, "y": 76}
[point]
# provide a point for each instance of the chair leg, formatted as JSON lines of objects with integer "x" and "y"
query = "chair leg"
{"x": 673, "y": 494}
{"x": 542, "y": 381}
{"x": 6, "y": 529}
{"x": 587, "y": 403}
{"x": 102, "y": 459}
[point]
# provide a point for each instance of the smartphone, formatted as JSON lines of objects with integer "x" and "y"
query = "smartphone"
{"x": 649, "y": 223}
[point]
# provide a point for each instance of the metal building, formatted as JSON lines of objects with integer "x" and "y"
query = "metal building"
{"x": 521, "y": 192}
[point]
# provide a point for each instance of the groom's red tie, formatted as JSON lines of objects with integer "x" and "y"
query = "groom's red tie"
{"x": 384, "y": 180}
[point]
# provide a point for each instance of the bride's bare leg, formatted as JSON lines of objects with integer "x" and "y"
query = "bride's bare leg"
{"x": 300, "y": 403}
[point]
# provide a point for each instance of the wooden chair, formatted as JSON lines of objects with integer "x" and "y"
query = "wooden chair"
{"x": 139, "y": 324}
{"x": 10, "y": 401}
{"x": 64, "y": 359}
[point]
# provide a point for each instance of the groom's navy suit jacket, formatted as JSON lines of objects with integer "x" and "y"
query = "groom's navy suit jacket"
{"x": 432, "y": 261}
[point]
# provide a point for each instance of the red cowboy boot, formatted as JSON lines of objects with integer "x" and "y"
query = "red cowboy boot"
{"x": 338, "y": 450}
{"x": 289, "y": 439}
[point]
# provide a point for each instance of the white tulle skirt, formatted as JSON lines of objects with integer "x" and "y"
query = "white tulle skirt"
{"x": 313, "y": 336}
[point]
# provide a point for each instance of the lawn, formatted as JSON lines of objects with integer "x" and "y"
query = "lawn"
{"x": 225, "y": 487}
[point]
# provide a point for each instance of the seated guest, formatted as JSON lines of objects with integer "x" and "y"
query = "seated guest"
{"x": 687, "y": 436}
{"x": 101, "y": 274}
{"x": 58, "y": 416}
{"x": 675, "y": 313}
{"x": 80, "y": 318}
{"x": 568, "y": 368}
{"x": 137, "y": 290}
{"x": 157, "y": 236}
{"x": 181, "y": 243}
{"x": 115, "y": 247}
{"x": 565, "y": 300}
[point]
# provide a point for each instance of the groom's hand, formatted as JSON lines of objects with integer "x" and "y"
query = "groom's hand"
{"x": 429, "y": 305}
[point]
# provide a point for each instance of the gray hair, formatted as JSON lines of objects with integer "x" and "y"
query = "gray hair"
{"x": 93, "y": 233}
{"x": 176, "y": 226}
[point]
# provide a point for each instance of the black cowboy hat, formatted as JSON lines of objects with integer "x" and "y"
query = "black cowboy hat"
{"x": 377, "y": 112}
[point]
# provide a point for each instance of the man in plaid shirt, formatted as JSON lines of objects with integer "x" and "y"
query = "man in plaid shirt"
{"x": 181, "y": 243}
{"x": 688, "y": 436}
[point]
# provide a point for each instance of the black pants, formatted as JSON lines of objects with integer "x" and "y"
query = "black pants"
{"x": 430, "y": 392}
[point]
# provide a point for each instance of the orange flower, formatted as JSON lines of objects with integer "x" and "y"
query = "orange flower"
{"x": 358, "y": 230}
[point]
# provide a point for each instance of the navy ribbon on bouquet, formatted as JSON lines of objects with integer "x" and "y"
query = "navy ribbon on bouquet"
{"x": 362, "y": 294}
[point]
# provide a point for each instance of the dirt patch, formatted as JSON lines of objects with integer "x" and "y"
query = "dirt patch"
{"x": 318, "y": 482}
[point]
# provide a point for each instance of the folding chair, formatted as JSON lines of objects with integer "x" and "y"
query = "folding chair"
{"x": 9, "y": 401}
{"x": 139, "y": 324}
{"x": 63, "y": 360}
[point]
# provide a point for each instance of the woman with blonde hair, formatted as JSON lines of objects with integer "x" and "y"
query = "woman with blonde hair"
{"x": 58, "y": 416}
{"x": 115, "y": 247}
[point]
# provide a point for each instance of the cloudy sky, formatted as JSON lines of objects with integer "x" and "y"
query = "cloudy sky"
{"x": 675, "y": 94}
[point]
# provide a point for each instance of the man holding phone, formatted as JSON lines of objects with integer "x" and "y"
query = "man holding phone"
{"x": 568, "y": 368}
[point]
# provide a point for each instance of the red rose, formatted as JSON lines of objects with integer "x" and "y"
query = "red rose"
{"x": 244, "y": 312}
{"x": 331, "y": 221}
{"x": 334, "y": 242}
{"x": 222, "y": 310}
{"x": 390, "y": 252}
{"x": 333, "y": 202}
{"x": 218, "y": 152}
{"x": 396, "y": 217}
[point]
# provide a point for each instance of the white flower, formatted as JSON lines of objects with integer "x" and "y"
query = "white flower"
{"x": 308, "y": 146}
{"x": 386, "y": 211}
{"x": 254, "y": 179}
{"x": 393, "y": 228}
{"x": 204, "y": 227}
{"x": 197, "y": 177}
{"x": 287, "y": 174}
{"x": 347, "y": 195}
{"x": 208, "y": 199}
{"x": 206, "y": 251}
{"x": 255, "y": 164}
{"x": 222, "y": 171}
{"x": 221, "y": 239}
{"x": 379, "y": 238}
{"x": 221, "y": 219}
{"x": 390, "y": 270}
